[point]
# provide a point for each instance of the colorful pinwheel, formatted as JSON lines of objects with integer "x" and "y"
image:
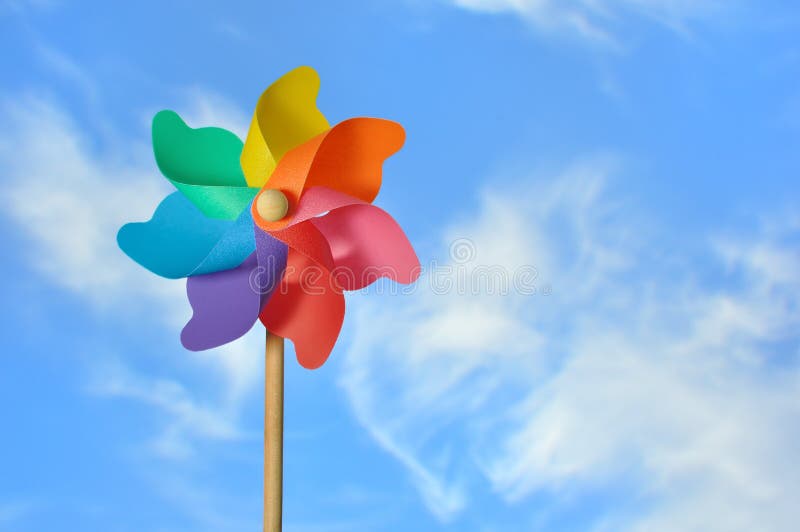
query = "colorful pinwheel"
{"x": 274, "y": 228}
{"x": 280, "y": 235}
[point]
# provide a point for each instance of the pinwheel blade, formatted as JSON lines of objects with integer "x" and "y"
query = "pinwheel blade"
{"x": 286, "y": 116}
{"x": 348, "y": 158}
{"x": 179, "y": 241}
{"x": 307, "y": 308}
{"x": 367, "y": 244}
{"x": 225, "y": 306}
{"x": 203, "y": 164}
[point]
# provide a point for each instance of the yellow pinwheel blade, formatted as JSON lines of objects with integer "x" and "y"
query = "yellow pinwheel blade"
{"x": 286, "y": 116}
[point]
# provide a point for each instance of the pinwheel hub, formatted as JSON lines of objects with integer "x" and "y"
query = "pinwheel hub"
{"x": 272, "y": 205}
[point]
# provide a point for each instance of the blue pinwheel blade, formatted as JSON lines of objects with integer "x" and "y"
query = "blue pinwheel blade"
{"x": 179, "y": 240}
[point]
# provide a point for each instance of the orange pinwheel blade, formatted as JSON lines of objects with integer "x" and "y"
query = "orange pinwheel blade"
{"x": 347, "y": 158}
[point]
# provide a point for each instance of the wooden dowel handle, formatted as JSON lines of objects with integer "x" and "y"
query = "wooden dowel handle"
{"x": 273, "y": 434}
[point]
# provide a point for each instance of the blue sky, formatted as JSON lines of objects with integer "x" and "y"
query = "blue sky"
{"x": 641, "y": 155}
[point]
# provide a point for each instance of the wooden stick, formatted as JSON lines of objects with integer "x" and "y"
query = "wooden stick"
{"x": 273, "y": 434}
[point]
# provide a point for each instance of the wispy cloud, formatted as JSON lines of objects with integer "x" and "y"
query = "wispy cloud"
{"x": 13, "y": 511}
{"x": 597, "y": 20}
{"x": 70, "y": 202}
{"x": 22, "y": 6}
{"x": 187, "y": 417}
{"x": 630, "y": 370}
{"x": 64, "y": 66}
{"x": 209, "y": 510}
{"x": 68, "y": 199}
{"x": 232, "y": 30}
{"x": 206, "y": 108}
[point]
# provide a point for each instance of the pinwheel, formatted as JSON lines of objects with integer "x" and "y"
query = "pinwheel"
{"x": 274, "y": 228}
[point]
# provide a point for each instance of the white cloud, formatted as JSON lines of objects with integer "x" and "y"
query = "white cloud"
{"x": 66, "y": 68}
{"x": 207, "y": 108}
{"x": 210, "y": 510}
{"x": 23, "y": 6}
{"x": 630, "y": 368}
{"x": 13, "y": 511}
{"x": 187, "y": 417}
{"x": 70, "y": 202}
{"x": 68, "y": 197}
{"x": 596, "y": 20}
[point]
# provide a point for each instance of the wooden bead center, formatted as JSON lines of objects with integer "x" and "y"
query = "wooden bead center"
{"x": 272, "y": 205}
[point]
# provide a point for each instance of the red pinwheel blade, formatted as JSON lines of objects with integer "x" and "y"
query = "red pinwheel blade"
{"x": 307, "y": 308}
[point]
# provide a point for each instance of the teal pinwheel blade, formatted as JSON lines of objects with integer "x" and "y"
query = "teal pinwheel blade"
{"x": 180, "y": 241}
{"x": 203, "y": 164}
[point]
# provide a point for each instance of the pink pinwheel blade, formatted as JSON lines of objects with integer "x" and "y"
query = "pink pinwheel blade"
{"x": 367, "y": 244}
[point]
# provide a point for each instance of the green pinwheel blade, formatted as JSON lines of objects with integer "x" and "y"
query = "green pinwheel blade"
{"x": 203, "y": 164}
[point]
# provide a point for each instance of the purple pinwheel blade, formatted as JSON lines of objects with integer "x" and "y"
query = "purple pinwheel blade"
{"x": 226, "y": 304}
